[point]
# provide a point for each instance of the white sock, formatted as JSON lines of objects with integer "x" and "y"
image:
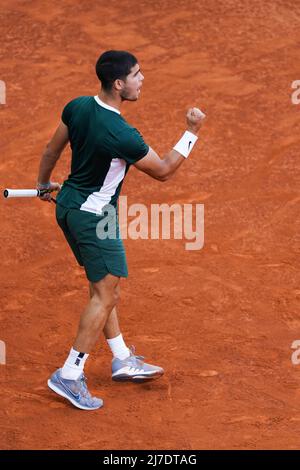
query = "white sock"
{"x": 118, "y": 347}
{"x": 74, "y": 365}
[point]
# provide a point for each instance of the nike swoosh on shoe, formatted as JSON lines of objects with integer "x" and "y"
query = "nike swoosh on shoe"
{"x": 75, "y": 395}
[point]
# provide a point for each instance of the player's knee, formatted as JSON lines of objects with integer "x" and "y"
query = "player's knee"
{"x": 116, "y": 294}
{"x": 106, "y": 293}
{"x": 111, "y": 299}
{"x": 96, "y": 299}
{"x": 107, "y": 300}
{"x": 111, "y": 290}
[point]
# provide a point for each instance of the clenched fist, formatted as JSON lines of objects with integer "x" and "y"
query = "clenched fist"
{"x": 194, "y": 118}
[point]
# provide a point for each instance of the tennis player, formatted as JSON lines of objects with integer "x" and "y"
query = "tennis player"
{"x": 104, "y": 146}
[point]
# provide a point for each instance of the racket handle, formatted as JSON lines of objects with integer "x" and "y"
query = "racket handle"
{"x": 21, "y": 193}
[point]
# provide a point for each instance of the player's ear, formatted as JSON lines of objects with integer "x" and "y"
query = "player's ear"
{"x": 118, "y": 84}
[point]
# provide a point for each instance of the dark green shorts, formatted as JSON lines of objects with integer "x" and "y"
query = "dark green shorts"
{"x": 98, "y": 256}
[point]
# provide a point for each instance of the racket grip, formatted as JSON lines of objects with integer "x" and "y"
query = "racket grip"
{"x": 21, "y": 193}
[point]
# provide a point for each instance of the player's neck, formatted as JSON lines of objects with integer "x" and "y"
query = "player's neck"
{"x": 114, "y": 101}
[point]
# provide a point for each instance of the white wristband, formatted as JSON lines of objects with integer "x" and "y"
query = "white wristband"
{"x": 185, "y": 145}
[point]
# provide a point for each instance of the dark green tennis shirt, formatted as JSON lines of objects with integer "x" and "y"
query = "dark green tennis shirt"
{"x": 103, "y": 147}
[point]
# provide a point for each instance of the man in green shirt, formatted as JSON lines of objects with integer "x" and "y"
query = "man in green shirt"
{"x": 104, "y": 146}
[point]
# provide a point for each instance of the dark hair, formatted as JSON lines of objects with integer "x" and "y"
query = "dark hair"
{"x": 112, "y": 65}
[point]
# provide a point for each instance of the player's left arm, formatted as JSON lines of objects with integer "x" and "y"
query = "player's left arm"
{"x": 50, "y": 157}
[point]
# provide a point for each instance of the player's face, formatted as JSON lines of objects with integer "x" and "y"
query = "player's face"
{"x": 132, "y": 84}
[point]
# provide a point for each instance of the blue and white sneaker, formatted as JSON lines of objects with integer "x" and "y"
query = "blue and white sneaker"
{"x": 75, "y": 391}
{"x": 134, "y": 369}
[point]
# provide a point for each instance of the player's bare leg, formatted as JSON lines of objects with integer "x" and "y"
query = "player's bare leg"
{"x": 112, "y": 331}
{"x": 104, "y": 298}
{"x": 111, "y": 328}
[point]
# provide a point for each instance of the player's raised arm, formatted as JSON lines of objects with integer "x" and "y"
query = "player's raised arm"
{"x": 162, "y": 168}
{"x": 49, "y": 158}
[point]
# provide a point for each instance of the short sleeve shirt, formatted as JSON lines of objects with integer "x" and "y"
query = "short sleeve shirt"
{"x": 103, "y": 147}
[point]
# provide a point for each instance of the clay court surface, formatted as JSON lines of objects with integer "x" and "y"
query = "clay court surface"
{"x": 220, "y": 320}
